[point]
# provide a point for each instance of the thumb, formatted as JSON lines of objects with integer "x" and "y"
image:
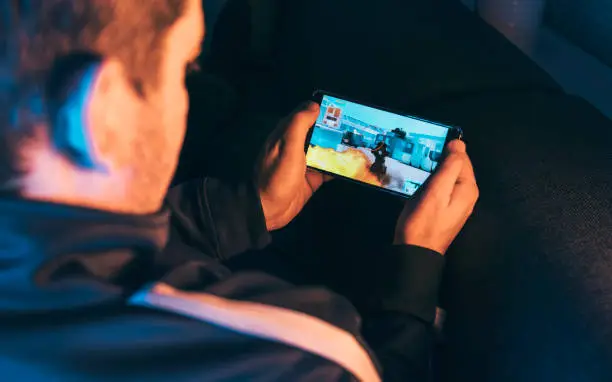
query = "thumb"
{"x": 442, "y": 182}
{"x": 299, "y": 125}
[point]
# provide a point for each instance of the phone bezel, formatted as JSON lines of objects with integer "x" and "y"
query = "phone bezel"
{"x": 455, "y": 132}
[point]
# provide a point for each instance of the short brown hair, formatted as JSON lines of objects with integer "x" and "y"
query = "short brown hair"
{"x": 37, "y": 35}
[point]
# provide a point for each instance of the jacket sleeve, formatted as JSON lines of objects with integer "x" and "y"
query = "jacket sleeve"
{"x": 218, "y": 218}
{"x": 400, "y": 312}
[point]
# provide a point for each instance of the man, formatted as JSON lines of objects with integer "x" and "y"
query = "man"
{"x": 93, "y": 110}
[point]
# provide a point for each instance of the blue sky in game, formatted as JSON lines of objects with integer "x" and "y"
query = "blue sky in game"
{"x": 385, "y": 120}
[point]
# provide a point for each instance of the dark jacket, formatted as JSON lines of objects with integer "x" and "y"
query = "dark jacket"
{"x": 84, "y": 297}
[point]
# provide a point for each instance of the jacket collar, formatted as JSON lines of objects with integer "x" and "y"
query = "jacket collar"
{"x": 56, "y": 256}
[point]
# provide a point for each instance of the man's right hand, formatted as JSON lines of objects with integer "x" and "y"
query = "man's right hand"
{"x": 444, "y": 206}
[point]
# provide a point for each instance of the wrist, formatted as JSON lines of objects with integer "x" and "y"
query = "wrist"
{"x": 408, "y": 281}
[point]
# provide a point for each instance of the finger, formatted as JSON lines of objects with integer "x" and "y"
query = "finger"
{"x": 315, "y": 179}
{"x": 276, "y": 144}
{"x": 443, "y": 180}
{"x": 279, "y": 131}
{"x": 314, "y": 173}
{"x": 467, "y": 174}
{"x": 442, "y": 183}
{"x": 285, "y": 123}
{"x": 456, "y": 146}
{"x": 298, "y": 127}
{"x": 463, "y": 199}
{"x": 466, "y": 192}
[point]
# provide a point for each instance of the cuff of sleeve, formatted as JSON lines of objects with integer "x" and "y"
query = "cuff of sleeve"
{"x": 408, "y": 281}
{"x": 238, "y": 217}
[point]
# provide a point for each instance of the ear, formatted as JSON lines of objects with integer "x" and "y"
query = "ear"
{"x": 88, "y": 92}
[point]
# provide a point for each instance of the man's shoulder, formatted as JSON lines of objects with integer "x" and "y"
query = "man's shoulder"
{"x": 142, "y": 344}
{"x": 297, "y": 325}
{"x": 249, "y": 326}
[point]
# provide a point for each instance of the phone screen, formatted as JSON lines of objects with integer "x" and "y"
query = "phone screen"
{"x": 373, "y": 146}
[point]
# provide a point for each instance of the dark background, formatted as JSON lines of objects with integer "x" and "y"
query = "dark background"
{"x": 587, "y": 23}
{"x": 528, "y": 286}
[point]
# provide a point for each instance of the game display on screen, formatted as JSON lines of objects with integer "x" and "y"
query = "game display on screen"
{"x": 373, "y": 146}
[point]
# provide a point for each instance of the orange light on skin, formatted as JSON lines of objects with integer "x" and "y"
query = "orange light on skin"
{"x": 351, "y": 163}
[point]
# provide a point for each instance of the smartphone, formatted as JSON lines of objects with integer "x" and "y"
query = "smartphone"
{"x": 375, "y": 146}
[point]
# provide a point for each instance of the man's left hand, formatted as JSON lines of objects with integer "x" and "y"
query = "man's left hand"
{"x": 284, "y": 182}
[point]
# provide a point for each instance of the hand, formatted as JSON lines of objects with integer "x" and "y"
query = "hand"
{"x": 444, "y": 206}
{"x": 284, "y": 183}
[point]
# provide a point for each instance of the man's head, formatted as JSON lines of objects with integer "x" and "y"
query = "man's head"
{"x": 92, "y": 98}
